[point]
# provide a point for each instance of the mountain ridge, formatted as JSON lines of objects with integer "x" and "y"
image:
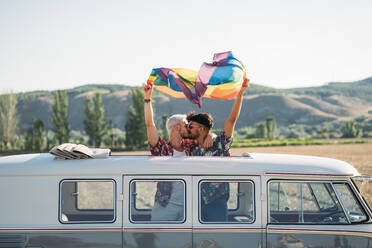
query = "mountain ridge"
{"x": 309, "y": 105}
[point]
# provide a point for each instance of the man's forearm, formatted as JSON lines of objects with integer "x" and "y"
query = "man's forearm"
{"x": 152, "y": 133}
{"x": 234, "y": 115}
{"x": 149, "y": 115}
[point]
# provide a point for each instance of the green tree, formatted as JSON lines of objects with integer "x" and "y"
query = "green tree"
{"x": 110, "y": 135}
{"x": 293, "y": 131}
{"x": 59, "y": 117}
{"x": 51, "y": 140}
{"x": 89, "y": 125}
{"x": 8, "y": 119}
{"x": 39, "y": 135}
{"x": 94, "y": 124}
{"x": 29, "y": 139}
{"x": 362, "y": 118}
{"x": 351, "y": 131}
{"x": 270, "y": 127}
{"x": 323, "y": 131}
{"x": 260, "y": 130}
{"x": 135, "y": 128}
{"x": 35, "y": 136}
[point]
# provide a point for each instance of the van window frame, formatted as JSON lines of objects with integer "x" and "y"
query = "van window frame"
{"x": 357, "y": 197}
{"x": 85, "y": 210}
{"x": 237, "y": 201}
{"x": 331, "y": 182}
{"x": 154, "y": 179}
{"x": 243, "y": 180}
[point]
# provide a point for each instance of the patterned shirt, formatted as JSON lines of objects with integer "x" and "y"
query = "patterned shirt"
{"x": 211, "y": 191}
{"x": 164, "y": 148}
{"x": 221, "y": 147}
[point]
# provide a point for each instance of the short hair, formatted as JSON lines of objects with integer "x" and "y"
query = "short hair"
{"x": 201, "y": 118}
{"x": 174, "y": 120}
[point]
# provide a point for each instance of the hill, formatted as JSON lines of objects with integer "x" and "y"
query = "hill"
{"x": 312, "y": 105}
{"x": 361, "y": 89}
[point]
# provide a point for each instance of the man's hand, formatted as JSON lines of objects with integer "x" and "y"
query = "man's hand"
{"x": 147, "y": 91}
{"x": 208, "y": 142}
{"x": 245, "y": 85}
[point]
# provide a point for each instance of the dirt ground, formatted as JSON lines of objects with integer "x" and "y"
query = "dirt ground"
{"x": 359, "y": 155}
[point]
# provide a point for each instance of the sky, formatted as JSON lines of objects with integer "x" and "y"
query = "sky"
{"x": 61, "y": 44}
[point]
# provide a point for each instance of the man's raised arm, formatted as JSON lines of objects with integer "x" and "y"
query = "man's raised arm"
{"x": 152, "y": 133}
{"x": 234, "y": 115}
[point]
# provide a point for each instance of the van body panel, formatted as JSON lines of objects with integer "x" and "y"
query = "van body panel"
{"x": 257, "y": 164}
{"x": 75, "y": 239}
{"x": 28, "y": 202}
{"x": 151, "y": 238}
{"x": 13, "y": 240}
{"x": 34, "y": 212}
{"x": 318, "y": 236}
{"x": 239, "y": 238}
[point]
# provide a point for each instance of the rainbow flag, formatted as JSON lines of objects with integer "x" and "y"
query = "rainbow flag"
{"x": 220, "y": 79}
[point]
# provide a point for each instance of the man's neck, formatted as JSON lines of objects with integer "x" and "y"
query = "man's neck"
{"x": 176, "y": 142}
{"x": 201, "y": 139}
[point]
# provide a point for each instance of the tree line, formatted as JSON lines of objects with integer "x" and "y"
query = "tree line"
{"x": 98, "y": 132}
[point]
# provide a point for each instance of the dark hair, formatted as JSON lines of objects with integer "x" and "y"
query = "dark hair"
{"x": 201, "y": 118}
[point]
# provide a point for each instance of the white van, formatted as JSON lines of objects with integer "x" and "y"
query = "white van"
{"x": 268, "y": 200}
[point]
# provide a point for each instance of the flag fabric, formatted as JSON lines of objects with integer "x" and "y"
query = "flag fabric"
{"x": 221, "y": 79}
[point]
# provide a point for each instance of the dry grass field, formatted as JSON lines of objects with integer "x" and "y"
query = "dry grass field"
{"x": 359, "y": 155}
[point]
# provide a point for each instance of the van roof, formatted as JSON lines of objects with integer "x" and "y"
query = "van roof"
{"x": 256, "y": 164}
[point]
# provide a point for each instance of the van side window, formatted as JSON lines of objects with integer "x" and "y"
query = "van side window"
{"x": 305, "y": 202}
{"x": 155, "y": 201}
{"x": 226, "y": 201}
{"x": 87, "y": 201}
{"x": 351, "y": 204}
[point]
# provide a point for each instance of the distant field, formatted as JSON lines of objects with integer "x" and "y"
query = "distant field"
{"x": 359, "y": 155}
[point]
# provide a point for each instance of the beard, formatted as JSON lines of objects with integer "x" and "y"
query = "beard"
{"x": 193, "y": 136}
{"x": 187, "y": 135}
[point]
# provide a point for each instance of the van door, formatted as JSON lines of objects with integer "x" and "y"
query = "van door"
{"x": 310, "y": 213}
{"x": 89, "y": 213}
{"x": 158, "y": 211}
{"x": 226, "y": 211}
